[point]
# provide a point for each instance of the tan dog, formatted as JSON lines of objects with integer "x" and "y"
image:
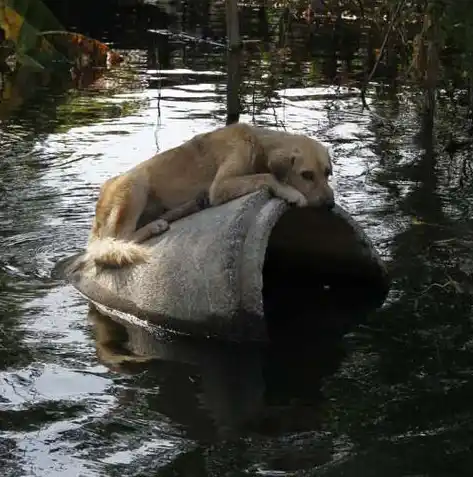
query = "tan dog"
{"x": 226, "y": 163}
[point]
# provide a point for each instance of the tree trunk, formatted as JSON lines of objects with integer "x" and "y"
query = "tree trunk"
{"x": 233, "y": 62}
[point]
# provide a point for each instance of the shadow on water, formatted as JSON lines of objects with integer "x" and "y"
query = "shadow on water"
{"x": 391, "y": 397}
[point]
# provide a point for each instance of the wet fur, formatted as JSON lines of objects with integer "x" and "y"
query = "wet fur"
{"x": 226, "y": 163}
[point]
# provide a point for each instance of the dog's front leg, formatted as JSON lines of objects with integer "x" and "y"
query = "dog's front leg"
{"x": 288, "y": 193}
{"x": 230, "y": 188}
{"x": 236, "y": 177}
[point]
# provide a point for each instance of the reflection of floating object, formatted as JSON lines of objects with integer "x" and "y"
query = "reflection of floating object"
{"x": 209, "y": 272}
{"x": 239, "y": 386}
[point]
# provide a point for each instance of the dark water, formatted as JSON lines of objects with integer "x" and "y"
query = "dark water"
{"x": 392, "y": 398}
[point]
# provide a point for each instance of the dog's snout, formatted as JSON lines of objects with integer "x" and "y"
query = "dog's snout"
{"x": 330, "y": 203}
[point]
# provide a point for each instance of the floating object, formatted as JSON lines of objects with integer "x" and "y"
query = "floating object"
{"x": 221, "y": 271}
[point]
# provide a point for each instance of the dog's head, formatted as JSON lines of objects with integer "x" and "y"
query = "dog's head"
{"x": 304, "y": 164}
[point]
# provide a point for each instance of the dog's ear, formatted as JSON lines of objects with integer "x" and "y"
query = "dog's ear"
{"x": 280, "y": 165}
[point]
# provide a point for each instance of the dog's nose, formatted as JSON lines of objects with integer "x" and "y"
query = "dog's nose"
{"x": 329, "y": 204}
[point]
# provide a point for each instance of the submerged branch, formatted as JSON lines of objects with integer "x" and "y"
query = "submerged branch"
{"x": 381, "y": 52}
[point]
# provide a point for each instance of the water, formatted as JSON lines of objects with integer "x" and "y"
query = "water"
{"x": 392, "y": 398}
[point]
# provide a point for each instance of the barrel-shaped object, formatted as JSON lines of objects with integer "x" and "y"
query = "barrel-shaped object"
{"x": 212, "y": 273}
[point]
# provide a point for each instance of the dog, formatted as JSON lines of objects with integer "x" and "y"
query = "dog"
{"x": 219, "y": 166}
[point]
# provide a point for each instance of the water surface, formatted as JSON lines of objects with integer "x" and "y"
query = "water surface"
{"x": 392, "y": 398}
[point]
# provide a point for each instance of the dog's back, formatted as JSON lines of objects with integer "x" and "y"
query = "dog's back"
{"x": 164, "y": 182}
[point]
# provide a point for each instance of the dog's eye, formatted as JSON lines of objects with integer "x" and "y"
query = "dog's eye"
{"x": 293, "y": 160}
{"x": 308, "y": 175}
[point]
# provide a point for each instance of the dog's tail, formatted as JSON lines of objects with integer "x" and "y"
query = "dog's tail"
{"x": 113, "y": 252}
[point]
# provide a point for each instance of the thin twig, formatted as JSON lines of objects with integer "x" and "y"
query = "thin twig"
{"x": 186, "y": 36}
{"x": 381, "y": 52}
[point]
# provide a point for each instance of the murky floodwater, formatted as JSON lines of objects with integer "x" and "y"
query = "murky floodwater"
{"x": 392, "y": 399}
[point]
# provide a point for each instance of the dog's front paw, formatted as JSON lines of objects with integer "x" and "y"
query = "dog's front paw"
{"x": 292, "y": 195}
{"x": 299, "y": 200}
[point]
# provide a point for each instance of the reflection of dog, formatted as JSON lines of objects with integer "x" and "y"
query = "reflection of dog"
{"x": 111, "y": 340}
{"x": 225, "y": 164}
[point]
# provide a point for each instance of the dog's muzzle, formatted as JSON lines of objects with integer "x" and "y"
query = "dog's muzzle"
{"x": 325, "y": 201}
{"x": 329, "y": 203}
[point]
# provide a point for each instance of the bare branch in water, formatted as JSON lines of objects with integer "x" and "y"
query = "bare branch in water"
{"x": 381, "y": 52}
